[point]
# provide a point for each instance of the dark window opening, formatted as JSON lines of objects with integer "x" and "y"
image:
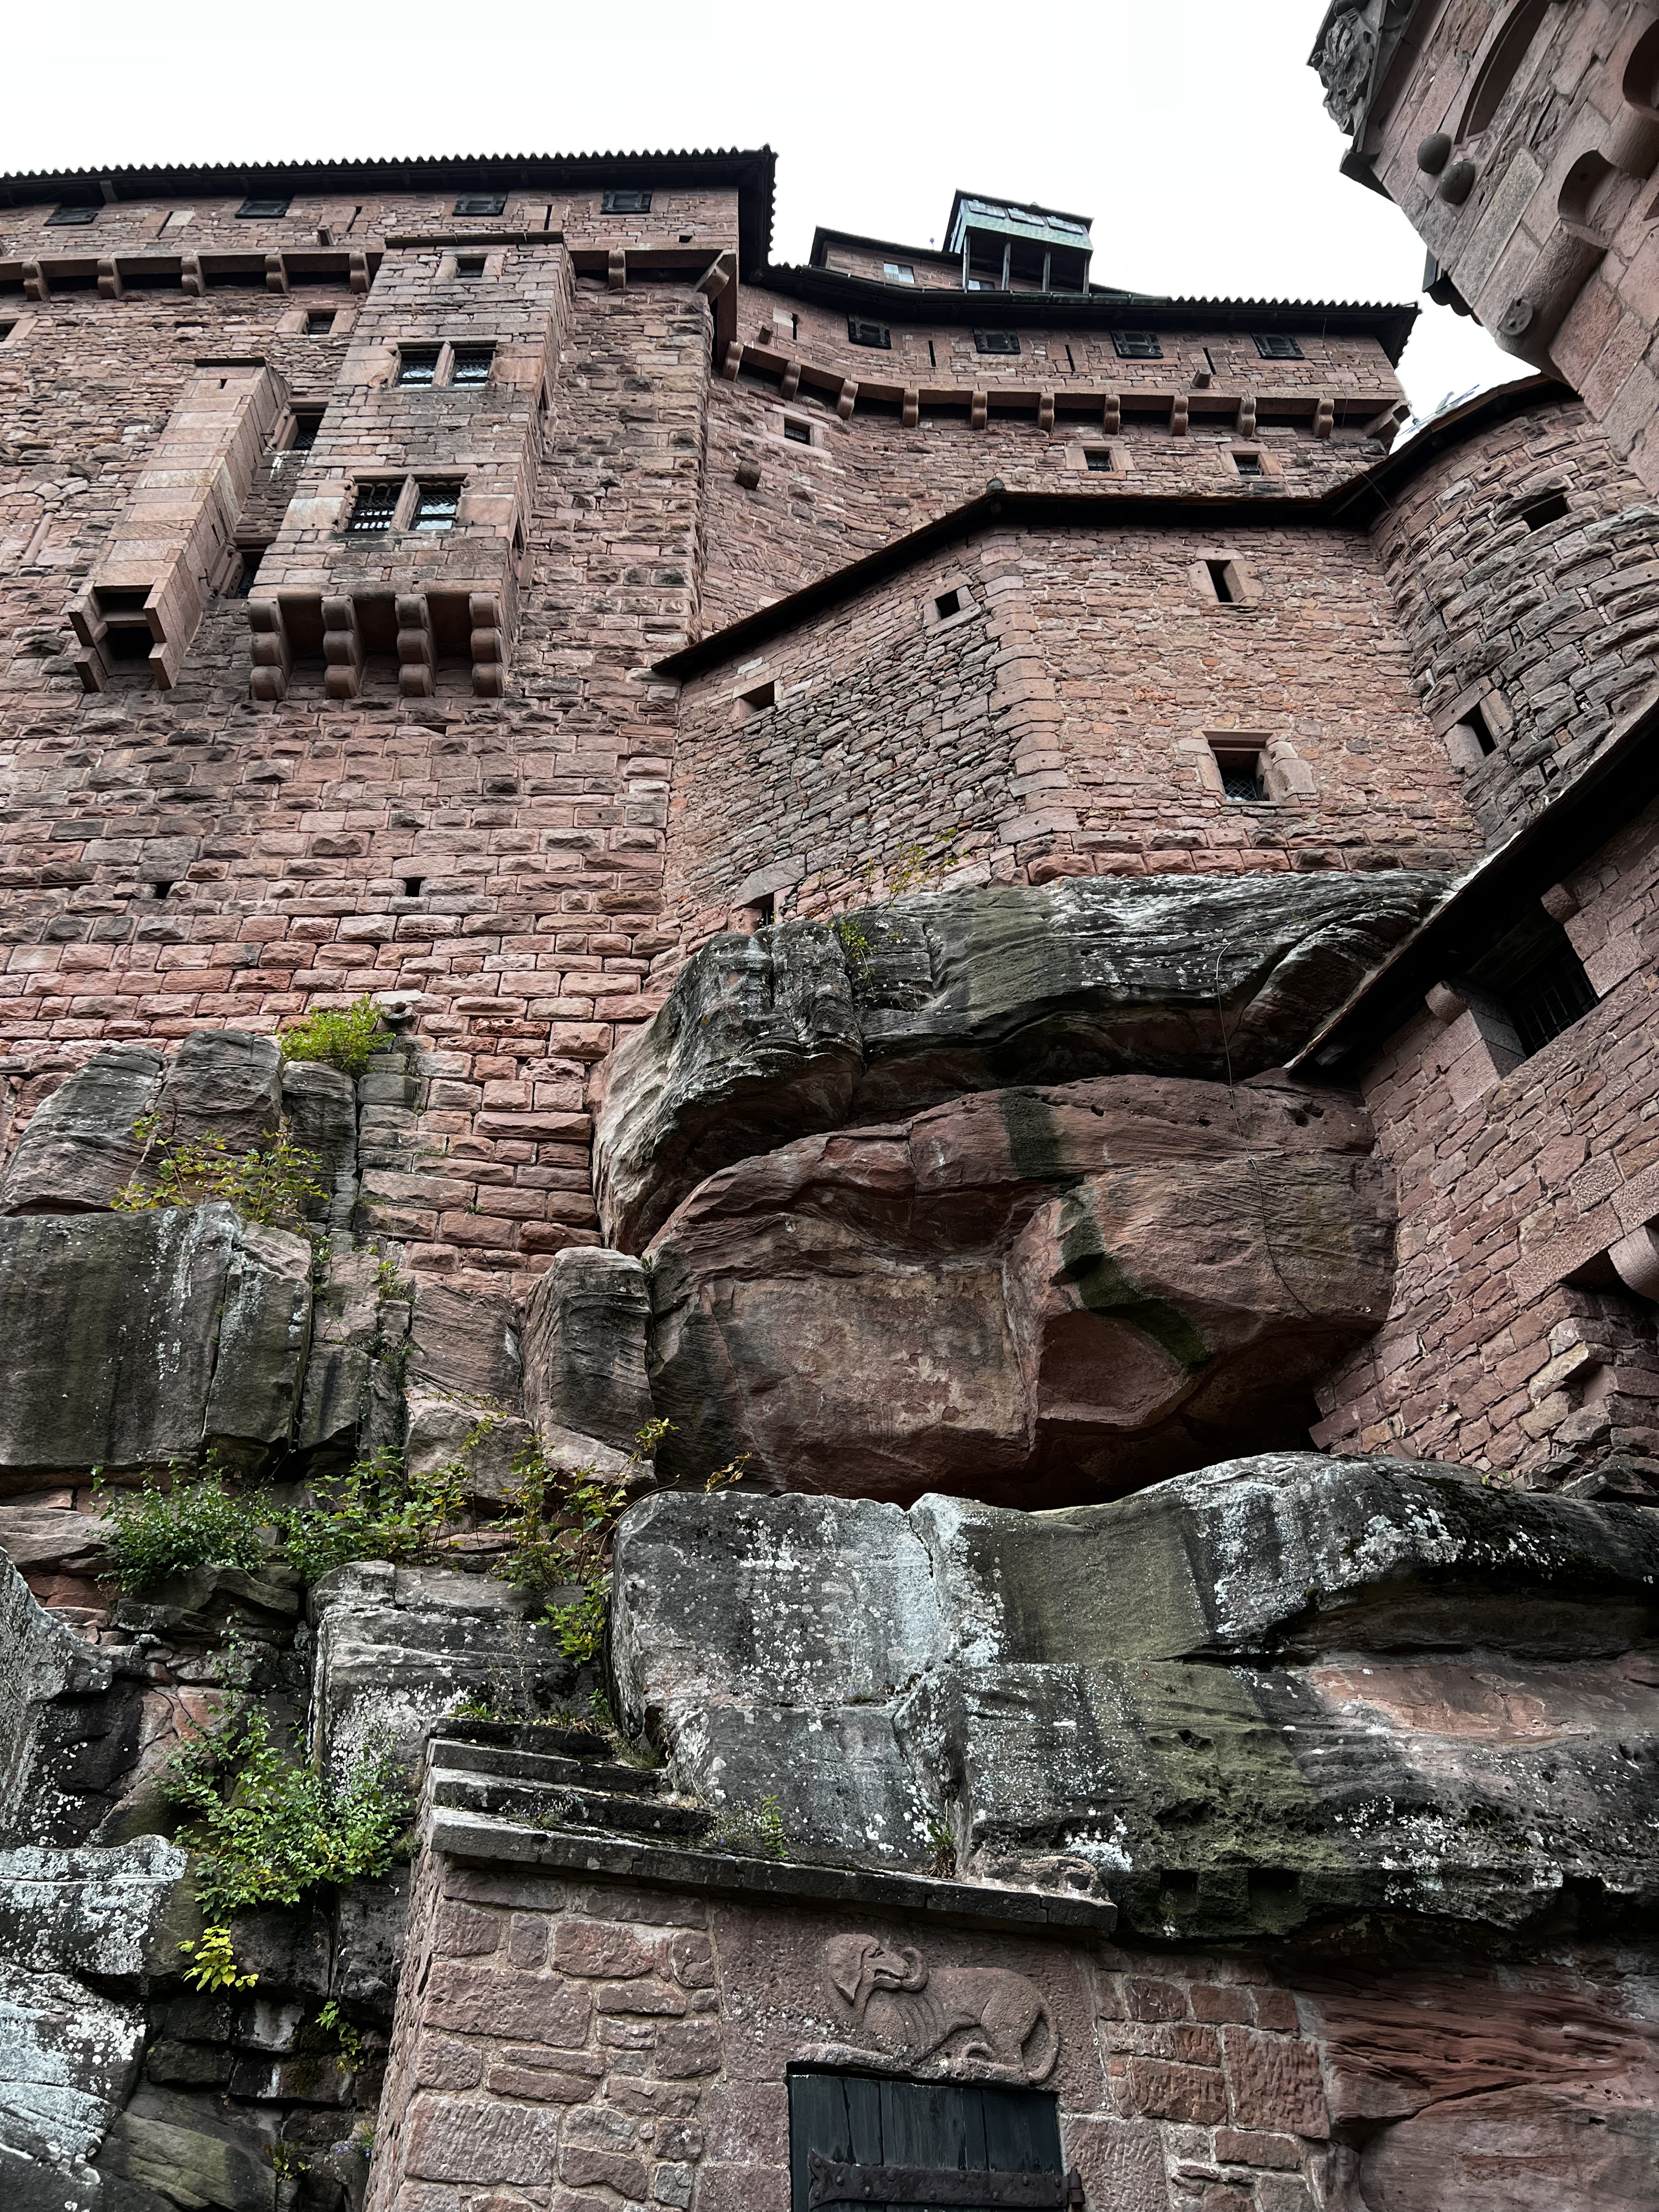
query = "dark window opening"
{"x": 801, "y": 433}
{"x": 757, "y": 700}
{"x": 319, "y": 323}
{"x": 469, "y": 267}
{"x": 1241, "y": 776}
{"x": 242, "y": 582}
{"x": 6, "y": 330}
{"x": 418, "y": 365}
{"x": 71, "y": 218}
{"x": 436, "y": 506}
{"x": 1277, "y": 345}
{"x": 862, "y": 333}
{"x": 625, "y": 202}
{"x": 412, "y": 886}
{"x": 481, "y": 203}
{"x": 1224, "y": 580}
{"x": 160, "y": 889}
{"x": 375, "y": 506}
{"x": 870, "y": 2140}
{"x": 253, "y": 210}
{"x": 1249, "y": 464}
{"x": 1479, "y": 721}
{"x": 473, "y": 364}
{"x": 1550, "y": 508}
{"x": 1537, "y": 978}
{"x": 1098, "y": 458}
{"x": 128, "y": 643}
{"x": 307, "y": 423}
{"x": 764, "y": 910}
{"x": 932, "y": 359}
{"x": 996, "y": 341}
{"x": 948, "y": 603}
{"x": 1137, "y": 345}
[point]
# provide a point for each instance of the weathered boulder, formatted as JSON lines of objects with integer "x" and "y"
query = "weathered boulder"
{"x": 771, "y": 1037}
{"x": 467, "y": 1343}
{"x": 1284, "y": 1688}
{"x": 134, "y": 1339}
{"x": 485, "y": 1446}
{"x": 585, "y": 1325}
{"x": 70, "y": 1723}
{"x": 320, "y": 1106}
{"x": 226, "y": 1082}
{"x": 80, "y": 1148}
{"x": 1031, "y": 1295}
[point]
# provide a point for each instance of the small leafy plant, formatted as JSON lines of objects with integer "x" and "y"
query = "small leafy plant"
{"x": 213, "y": 1963}
{"x": 752, "y": 1829}
{"x": 268, "y": 1186}
{"x": 344, "y": 1037}
{"x": 332, "y": 2021}
{"x": 180, "y": 1520}
{"x": 379, "y": 1510}
{"x": 268, "y": 1828}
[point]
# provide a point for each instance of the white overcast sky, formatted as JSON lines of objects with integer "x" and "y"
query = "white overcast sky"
{"x": 1191, "y": 131}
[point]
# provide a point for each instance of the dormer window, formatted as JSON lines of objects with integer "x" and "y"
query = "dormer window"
{"x": 1277, "y": 345}
{"x": 261, "y": 210}
{"x": 71, "y": 218}
{"x": 863, "y": 332}
{"x": 628, "y": 202}
{"x": 1137, "y": 345}
{"x": 482, "y": 204}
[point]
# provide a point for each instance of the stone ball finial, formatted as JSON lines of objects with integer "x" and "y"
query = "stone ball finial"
{"x": 1434, "y": 152}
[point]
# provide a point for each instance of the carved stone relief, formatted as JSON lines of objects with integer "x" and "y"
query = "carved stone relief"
{"x": 1346, "y": 51}
{"x": 910, "y": 2011}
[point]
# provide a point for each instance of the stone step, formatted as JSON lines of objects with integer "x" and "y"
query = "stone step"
{"x": 550, "y": 1805}
{"x": 544, "y": 1766}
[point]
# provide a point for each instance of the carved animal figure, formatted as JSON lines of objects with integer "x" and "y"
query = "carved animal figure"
{"x": 1000, "y": 2010}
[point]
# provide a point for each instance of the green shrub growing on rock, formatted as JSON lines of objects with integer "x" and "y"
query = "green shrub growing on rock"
{"x": 345, "y": 1038}
{"x": 269, "y": 1187}
{"x": 377, "y": 1511}
{"x": 182, "y": 1519}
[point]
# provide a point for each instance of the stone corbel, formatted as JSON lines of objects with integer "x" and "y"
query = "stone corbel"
{"x": 979, "y": 407}
{"x": 1635, "y": 1258}
{"x": 489, "y": 646}
{"x": 343, "y": 649}
{"x": 359, "y": 270}
{"x": 1245, "y": 425}
{"x": 714, "y": 280}
{"x": 847, "y": 399}
{"x": 911, "y": 414}
{"x": 732, "y": 363}
{"x": 1285, "y": 773}
{"x": 276, "y": 274}
{"x": 615, "y": 268}
{"x": 1324, "y": 420}
{"x": 191, "y": 277}
{"x": 35, "y": 286}
{"x": 271, "y": 659}
{"x": 748, "y": 472}
{"x": 1045, "y": 410}
{"x": 1385, "y": 427}
{"x": 1560, "y": 901}
{"x": 1178, "y": 416}
{"x": 109, "y": 277}
{"x": 415, "y": 657}
{"x": 1491, "y": 1047}
{"x": 1111, "y": 414}
{"x": 791, "y": 384}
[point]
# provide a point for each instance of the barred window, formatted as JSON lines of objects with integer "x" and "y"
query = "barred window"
{"x": 252, "y": 211}
{"x": 418, "y": 365}
{"x": 71, "y": 218}
{"x": 481, "y": 203}
{"x": 473, "y": 364}
{"x": 996, "y": 341}
{"x": 625, "y": 202}
{"x": 1137, "y": 345}
{"x": 374, "y": 509}
{"x": 861, "y": 332}
{"x": 436, "y": 505}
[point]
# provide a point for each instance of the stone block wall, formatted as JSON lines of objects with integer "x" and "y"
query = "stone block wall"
{"x": 1513, "y": 1341}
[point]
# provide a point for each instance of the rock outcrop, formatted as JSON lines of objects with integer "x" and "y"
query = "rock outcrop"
{"x": 806, "y": 1027}
{"x": 1284, "y": 1688}
{"x": 1027, "y": 1296}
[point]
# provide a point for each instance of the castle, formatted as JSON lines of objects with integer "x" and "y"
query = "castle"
{"x": 1014, "y": 954}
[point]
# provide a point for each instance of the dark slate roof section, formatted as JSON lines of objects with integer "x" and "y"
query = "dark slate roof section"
{"x": 1389, "y": 324}
{"x": 749, "y": 172}
{"x": 1354, "y": 505}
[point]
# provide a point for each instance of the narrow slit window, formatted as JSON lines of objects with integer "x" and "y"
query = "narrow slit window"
{"x": 469, "y": 267}
{"x": 247, "y": 570}
{"x": 1479, "y": 721}
{"x": 1137, "y": 345}
{"x": 412, "y": 886}
{"x": 860, "y": 332}
{"x": 1223, "y": 581}
{"x": 1277, "y": 345}
{"x": 160, "y": 889}
{"x": 473, "y": 364}
{"x": 436, "y": 505}
{"x": 799, "y": 433}
{"x": 996, "y": 341}
{"x": 1541, "y": 512}
{"x": 266, "y": 209}
{"x": 481, "y": 203}
{"x": 319, "y": 323}
{"x": 628, "y": 202}
{"x": 418, "y": 365}
{"x": 372, "y": 510}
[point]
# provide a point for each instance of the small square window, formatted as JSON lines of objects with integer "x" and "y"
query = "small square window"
{"x": 757, "y": 702}
{"x": 307, "y": 423}
{"x": 1097, "y": 459}
{"x": 436, "y": 505}
{"x": 375, "y": 504}
{"x": 899, "y": 272}
{"x": 948, "y": 603}
{"x": 996, "y": 341}
{"x": 861, "y": 332}
{"x": 482, "y": 204}
{"x": 799, "y": 433}
{"x": 1241, "y": 776}
{"x": 1249, "y": 464}
{"x": 6, "y": 330}
{"x": 418, "y": 365}
{"x": 251, "y": 210}
{"x": 319, "y": 323}
{"x": 625, "y": 202}
{"x": 1277, "y": 345}
{"x": 1137, "y": 345}
{"x": 1550, "y": 508}
{"x": 71, "y": 218}
{"x": 469, "y": 267}
{"x": 473, "y": 364}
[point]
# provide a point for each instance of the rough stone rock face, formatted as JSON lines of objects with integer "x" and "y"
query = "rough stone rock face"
{"x": 467, "y": 1343}
{"x": 1043, "y": 1293}
{"x": 320, "y": 1106}
{"x": 585, "y": 1336}
{"x": 79, "y": 1149}
{"x": 70, "y": 1723}
{"x": 802, "y": 1028}
{"x": 134, "y": 1339}
{"x": 1284, "y": 1687}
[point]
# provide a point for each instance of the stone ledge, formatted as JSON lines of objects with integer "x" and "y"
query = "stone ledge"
{"x": 467, "y": 1836}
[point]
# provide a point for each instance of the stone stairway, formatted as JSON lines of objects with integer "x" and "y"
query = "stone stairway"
{"x": 543, "y": 1775}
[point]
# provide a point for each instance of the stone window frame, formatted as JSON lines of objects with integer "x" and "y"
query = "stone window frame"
{"x": 403, "y": 514}
{"x": 1271, "y": 464}
{"x": 495, "y": 266}
{"x": 291, "y": 324}
{"x": 813, "y": 442}
{"x": 1246, "y": 591}
{"x": 1077, "y": 451}
{"x": 638, "y": 196}
{"x": 1455, "y": 725}
{"x": 962, "y": 584}
{"x": 14, "y": 329}
{"x": 756, "y": 693}
{"x": 443, "y": 375}
{"x": 1281, "y": 772}
{"x": 265, "y": 207}
{"x": 479, "y": 214}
